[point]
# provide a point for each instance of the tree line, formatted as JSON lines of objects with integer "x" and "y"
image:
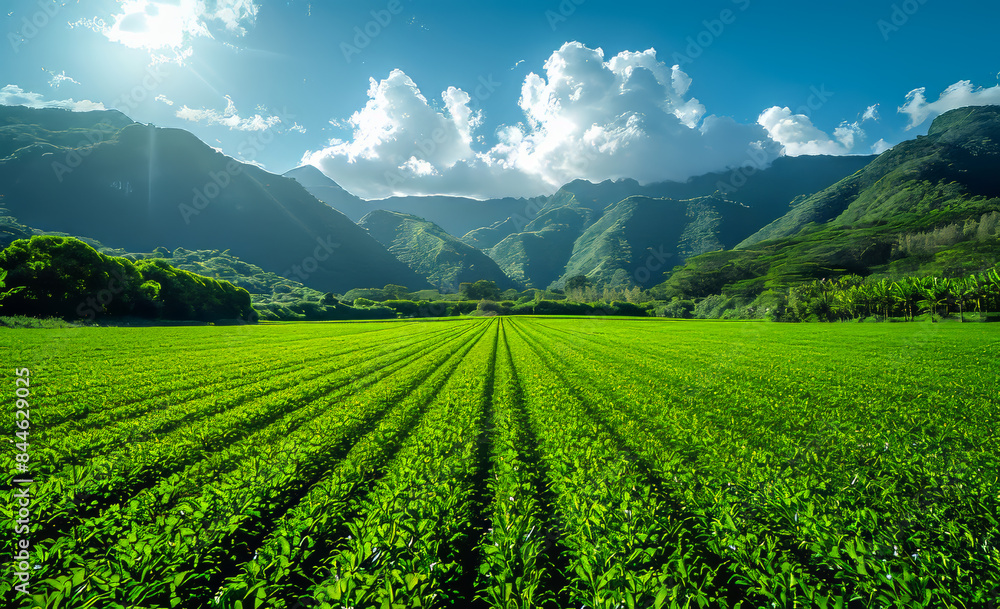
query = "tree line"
{"x": 63, "y": 277}
{"x": 852, "y": 297}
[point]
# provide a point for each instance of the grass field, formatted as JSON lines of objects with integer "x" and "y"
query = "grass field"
{"x": 509, "y": 462}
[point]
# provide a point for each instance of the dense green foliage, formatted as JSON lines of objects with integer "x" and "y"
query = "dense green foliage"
{"x": 64, "y": 277}
{"x": 512, "y": 463}
{"x": 480, "y": 290}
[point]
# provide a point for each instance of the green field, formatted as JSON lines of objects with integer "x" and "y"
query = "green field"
{"x": 510, "y": 462}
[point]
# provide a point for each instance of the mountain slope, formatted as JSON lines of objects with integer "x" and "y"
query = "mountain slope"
{"x": 535, "y": 251}
{"x": 636, "y": 240}
{"x": 30, "y": 130}
{"x": 956, "y": 160}
{"x": 431, "y": 252}
{"x": 141, "y": 187}
{"x": 329, "y": 192}
{"x": 720, "y": 210}
{"x": 926, "y": 204}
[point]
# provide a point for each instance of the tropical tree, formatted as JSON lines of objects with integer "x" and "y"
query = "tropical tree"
{"x": 936, "y": 293}
{"x": 882, "y": 297}
{"x": 907, "y": 294}
{"x": 843, "y": 303}
{"x": 966, "y": 292}
{"x": 864, "y": 299}
{"x": 10, "y": 292}
{"x": 991, "y": 289}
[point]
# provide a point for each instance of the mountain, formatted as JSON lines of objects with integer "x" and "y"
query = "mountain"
{"x": 620, "y": 233}
{"x": 456, "y": 215}
{"x": 138, "y": 187}
{"x": 637, "y": 239}
{"x": 534, "y": 241}
{"x": 631, "y": 242}
{"x": 431, "y": 252}
{"x": 484, "y": 224}
{"x": 929, "y": 205}
{"x": 26, "y": 130}
{"x": 329, "y": 192}
{"x": 537, "y": 252}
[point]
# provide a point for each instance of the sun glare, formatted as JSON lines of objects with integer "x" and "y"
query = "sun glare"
{"x": 144, "y": 24}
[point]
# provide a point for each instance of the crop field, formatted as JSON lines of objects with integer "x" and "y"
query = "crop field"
{"x": 506, "y": 462}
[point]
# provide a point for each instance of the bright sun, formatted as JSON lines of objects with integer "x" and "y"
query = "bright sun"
{"x": 144, "y": 24}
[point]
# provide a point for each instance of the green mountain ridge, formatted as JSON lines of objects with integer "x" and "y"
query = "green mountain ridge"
{"x": 138, "y": 187}
{"x": 543, "y": 247}
{"x": 925, "y": 206}
{"x": 431, "y": 252}
{"x": 636, "y": 240}
{"x": 456, "y": 215}
{"x": 533, "y": 240}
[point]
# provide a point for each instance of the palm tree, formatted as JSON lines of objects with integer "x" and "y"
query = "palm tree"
{"x": 883, "y": 297}
{"x": 966, "y": 291}
{"x": 843, "y": 304}
{"x": 993, "y": 287}
{"x": 936, "y": 293}
{"x": 864, "y": 297}
{"x": 907, "y": 292}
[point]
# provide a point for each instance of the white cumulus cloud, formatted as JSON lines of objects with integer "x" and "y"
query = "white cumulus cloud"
{"x": 585, "y": 117}
{"x": 403, "y": 145}
{"x": 797, "y": 134}
{"x": 12, "y": 95}
{"x": 230, "y": 118}
{"x": 880, "y": 146}
{"x": 629, "y": 116}
{"x": 958, "y": 95}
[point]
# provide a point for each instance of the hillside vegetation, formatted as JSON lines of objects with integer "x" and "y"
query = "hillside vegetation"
{"x": 926, "y": 207}
{"x": 431, "y": 252}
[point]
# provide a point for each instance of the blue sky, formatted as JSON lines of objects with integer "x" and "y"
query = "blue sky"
{"x": 508, "y": 98}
